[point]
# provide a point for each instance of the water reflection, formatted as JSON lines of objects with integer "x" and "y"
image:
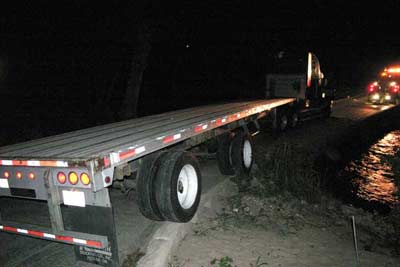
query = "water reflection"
{"x": 375, "y": 172}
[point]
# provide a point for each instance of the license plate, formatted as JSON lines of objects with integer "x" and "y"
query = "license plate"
{"x": 4, "y": 183}
{"x": 74, "y": 198}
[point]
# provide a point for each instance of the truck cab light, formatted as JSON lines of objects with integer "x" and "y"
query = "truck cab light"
{"x": 19, "y": 175}
{"x": 6, "y": 174}
{"x": 61, "y": 177}
{"x": 31, "y": 176}
{"x": 85, "y": 179}
{"x": 73, "y": 178}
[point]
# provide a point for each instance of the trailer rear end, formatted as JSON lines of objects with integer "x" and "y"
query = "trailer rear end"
{"x": 71, "y": 173}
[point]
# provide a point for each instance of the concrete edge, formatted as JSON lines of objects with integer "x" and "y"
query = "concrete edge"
{"x": 166, "y": 239}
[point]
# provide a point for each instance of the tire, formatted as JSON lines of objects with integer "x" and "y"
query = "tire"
{"x": 328, "y": 112}
{"x": 224, "y": 155}
{"x": 145, "y": 188}
{"x": 294, "y": 120}
{"x": 242, "y": 158}
{"x": 178, "y": 186}
{"x": 283, "y": 122}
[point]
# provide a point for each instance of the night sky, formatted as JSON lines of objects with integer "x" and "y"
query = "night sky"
{"x": 64, "y": 65}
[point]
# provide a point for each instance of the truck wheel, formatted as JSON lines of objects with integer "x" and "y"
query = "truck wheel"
{"x": 145, "y": 188}
{"x": 224, "y": 155}
{"x": 282, "y": 122}
{"x": 242, "y": 158}
{"x": 327, "y": 112}
{"x": 294, "y": 120}
{"x": 178, "y": 186}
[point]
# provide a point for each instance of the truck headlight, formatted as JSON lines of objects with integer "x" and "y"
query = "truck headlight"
{"x": 375, "y": 96}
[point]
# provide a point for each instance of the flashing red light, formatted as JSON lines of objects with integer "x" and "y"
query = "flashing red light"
{"x": 394, "y": 88}
{"x": 372, "y": 87}
{"x": 61, "y": 177}
{"x": 19, "y": 175}
{"x": 6, "y": 174}
{"x": 31, "y": 176}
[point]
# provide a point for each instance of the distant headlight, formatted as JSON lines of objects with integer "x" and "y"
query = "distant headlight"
{"x": 387, "y": 97}
{"x": 375, "y": 96}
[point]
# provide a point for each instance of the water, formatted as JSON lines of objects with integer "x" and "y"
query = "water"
{"x": 372, "y": 175}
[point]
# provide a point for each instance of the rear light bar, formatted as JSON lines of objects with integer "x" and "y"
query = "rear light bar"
{"x": 73, "y": 178}
{"x": 60, "y": 238}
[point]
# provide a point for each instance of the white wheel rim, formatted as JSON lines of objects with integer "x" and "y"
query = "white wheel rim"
{"x": 283, "y": 122}
{"x": 247, "y": 153}
{"x": 187, "y": 186}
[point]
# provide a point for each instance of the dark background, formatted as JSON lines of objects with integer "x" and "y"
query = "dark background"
{"x": 65, "y": 65}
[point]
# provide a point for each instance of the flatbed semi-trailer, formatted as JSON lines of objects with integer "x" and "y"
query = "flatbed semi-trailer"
{"x": 76, "y": 170}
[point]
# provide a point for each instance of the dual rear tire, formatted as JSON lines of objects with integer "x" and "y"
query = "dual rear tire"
{"x": 169, "y": 187}
{"x": 235, "y": 156}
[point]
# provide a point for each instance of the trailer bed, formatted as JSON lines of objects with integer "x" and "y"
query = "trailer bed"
{"x": 136, "y": 136}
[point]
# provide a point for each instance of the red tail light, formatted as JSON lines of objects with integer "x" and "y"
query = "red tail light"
{"x": 6, "y": 174}
{"x": 394, "y": 87}
{"x": 31, "y": 176}
{"x": 373, "y": 87}
{"x": 61, "y": 177}
{"x": 19, "y": 175}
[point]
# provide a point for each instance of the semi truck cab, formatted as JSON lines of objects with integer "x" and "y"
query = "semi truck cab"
{"x": 301, "y": 78}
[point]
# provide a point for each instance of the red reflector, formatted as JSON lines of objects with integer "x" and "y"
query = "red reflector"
{"x": 10, "y": 229}
{"x": 34, "y": 233}
{"x": 93, "y": 243}
{"x": 64, "y": 238}
{"x": 61, "y": 177}
{"x": 31, "y": 176}
{"x": 168, "y": 139}
{"x": 19, "y": 175}
{"x": 6, "y": 174}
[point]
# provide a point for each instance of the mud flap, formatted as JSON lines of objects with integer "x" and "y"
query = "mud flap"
{"x": 93, "y": 220}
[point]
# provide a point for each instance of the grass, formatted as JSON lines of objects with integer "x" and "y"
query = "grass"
{"x": 222, "y": 262}
{"x": 288, "y": 168}
{"x": 133, "y": 258}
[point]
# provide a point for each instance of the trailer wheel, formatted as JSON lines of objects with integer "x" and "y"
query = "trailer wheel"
{"x": 178, "y": 186}
{"x": 145, "y": 188}
{"x": 241, "y": 156}
{"x": 224, "y": 155}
